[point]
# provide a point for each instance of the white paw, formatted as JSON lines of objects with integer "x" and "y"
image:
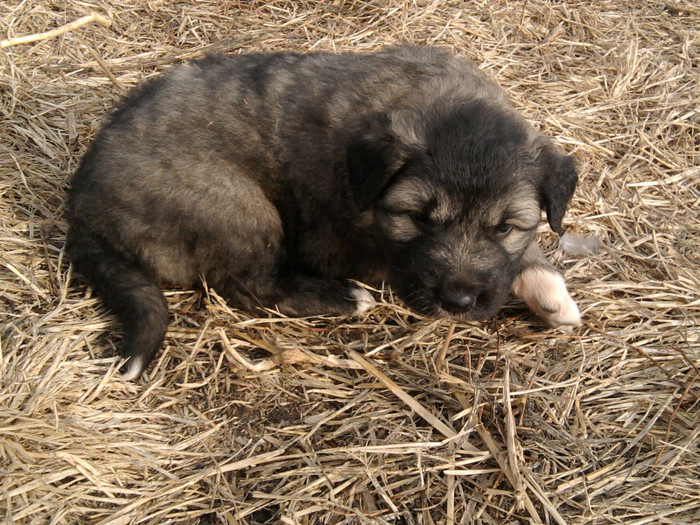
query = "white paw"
{"x": 133, "y": 368}
{"x": 363, "y": 298}
{"x": 545, "y": 292}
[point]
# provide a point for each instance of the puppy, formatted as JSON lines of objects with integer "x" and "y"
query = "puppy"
{"x": 278, "y": 177}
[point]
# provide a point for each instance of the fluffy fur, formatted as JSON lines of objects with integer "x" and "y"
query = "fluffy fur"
{"x": 278, "y": 177}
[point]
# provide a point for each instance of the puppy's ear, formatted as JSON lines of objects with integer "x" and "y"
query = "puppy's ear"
{"x": 559, "y": 180}
{"x": 374, "y": 156}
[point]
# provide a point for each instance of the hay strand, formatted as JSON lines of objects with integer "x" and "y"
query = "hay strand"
{"x": 28, "y": 39}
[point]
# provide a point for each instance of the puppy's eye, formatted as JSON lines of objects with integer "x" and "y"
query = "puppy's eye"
{"x": 422, "y": 219}
{"x": 504, "y": 229}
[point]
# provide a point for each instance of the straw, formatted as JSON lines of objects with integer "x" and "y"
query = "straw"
{"x": 390, "y": 417}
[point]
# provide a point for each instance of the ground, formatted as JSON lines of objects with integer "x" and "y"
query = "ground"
{"x": 388, "y": 418}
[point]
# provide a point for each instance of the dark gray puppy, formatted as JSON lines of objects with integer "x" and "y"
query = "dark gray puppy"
{"x": 277, "y": 177}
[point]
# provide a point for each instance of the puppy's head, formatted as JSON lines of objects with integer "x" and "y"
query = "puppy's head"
{"x": 457, "y": 196}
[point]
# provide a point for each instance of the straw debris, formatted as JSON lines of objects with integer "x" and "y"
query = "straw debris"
{"x": 390, "y": 418}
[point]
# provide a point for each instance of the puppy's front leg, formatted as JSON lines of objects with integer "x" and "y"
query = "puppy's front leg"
{"x": 306, "y": 295}
{"x": 542, "y": 287}
{"x": 301, "y": 295}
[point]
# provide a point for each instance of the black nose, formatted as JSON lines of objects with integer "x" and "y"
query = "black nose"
{"x": 456, "y": 300}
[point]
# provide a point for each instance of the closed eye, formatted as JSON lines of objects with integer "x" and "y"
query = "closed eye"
{"x": 507, "y": 226}
{"x": 504, "y": 228}
{"x": 422, "y": 219}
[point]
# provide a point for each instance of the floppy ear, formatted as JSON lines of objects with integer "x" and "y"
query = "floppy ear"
{"x": 374, "y": 156}
{"x": 559, "y": 180}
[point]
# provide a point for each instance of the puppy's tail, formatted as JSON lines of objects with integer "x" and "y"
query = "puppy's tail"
{"x": 125, "y": 289}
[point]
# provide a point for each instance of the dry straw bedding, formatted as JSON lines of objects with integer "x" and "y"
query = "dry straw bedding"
{"x": 389, "y": 418}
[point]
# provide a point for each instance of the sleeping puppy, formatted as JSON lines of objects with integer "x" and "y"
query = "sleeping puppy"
{"x": 277, "y": 177}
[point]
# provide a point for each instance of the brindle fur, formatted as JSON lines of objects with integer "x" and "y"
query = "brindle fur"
{"x": 277, "y": 177}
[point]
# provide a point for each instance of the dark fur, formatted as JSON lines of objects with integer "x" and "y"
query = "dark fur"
{"x": 276, "y": 177}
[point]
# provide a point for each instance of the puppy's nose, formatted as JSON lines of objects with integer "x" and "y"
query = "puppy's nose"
{"x": 456, "y": 300}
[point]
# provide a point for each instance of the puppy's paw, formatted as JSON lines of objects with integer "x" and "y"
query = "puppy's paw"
{"x": 363, "y": 299}
{"x": 133, "y": 368}
{"x": 545, "y": 293}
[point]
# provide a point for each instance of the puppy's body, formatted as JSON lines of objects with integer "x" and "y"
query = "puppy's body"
{"x": 277, "y": 177}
